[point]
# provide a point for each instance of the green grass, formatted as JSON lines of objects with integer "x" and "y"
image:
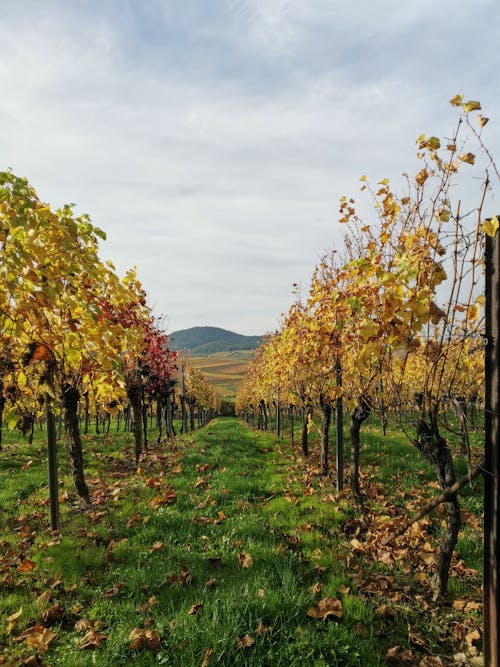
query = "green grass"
{"x": 130, "y": 561}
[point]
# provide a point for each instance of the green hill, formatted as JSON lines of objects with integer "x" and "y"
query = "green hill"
{"x": 208, "y": 340}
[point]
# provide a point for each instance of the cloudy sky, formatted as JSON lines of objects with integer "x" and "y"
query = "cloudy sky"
{"x": 212, "y": 139}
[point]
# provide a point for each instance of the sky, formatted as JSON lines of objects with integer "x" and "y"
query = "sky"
{"x": 212, "y": 139}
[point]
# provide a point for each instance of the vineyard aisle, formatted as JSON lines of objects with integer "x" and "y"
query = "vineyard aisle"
{"x": 222, "y": 548}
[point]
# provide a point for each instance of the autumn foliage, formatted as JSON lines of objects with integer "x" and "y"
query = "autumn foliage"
{"x": 393, "y": 323}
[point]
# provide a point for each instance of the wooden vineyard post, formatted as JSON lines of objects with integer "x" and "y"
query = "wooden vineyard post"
{"x": 339, "y": 419}
{"x": 52, "y": 453}
{"x": 184, "y": 426}
{"x": 492, "y": 458}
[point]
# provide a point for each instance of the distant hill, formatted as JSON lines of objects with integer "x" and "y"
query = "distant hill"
{"x": 208, "y": 340}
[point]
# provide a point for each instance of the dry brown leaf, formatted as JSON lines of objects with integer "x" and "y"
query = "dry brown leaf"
{"x": 26, "y": 566}
{"x": 327, "y": 609}
{"x": 166, "y": 499}
{"x": 245, "y": 642}
{"x": 262, "y": 629}
{"x": 156, "y": 546}
{"x": 92, "y": 640}
{"x": 430, "y": 661}
{"x": 195, "y": 609}
{"x": 43, "y": 598}
{"x": 245, "y": 560}
{"x": 38, "y": 637}
{"x": 203, "y": 503}
{"x": 111, "y": 592}
{"x": 315, "y": 588}
{"x": 54, "y": 613}
{"x": 361, "y": 630}
{"x": 472, "y": 637}
{"x": 206, "y": 657}
{"x": 210, "y": 583}
{"x": 84, "y": 624}
{"x": 144, "y": 637}
{"x": 12, "y": 620}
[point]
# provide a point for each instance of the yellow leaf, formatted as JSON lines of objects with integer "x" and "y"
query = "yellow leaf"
{"x": 467, "y": 158}
{"x": 490, "y": 226}
{"x": 482, "y": 120}
{"x": 471, "y": 105}
{"x": 481, "y": 300}
{"x": 443, "y": 215}
{"x": 11, "y": 419}
{"x": 456, "y": 101}
{"x": 368, "y": 329}
{"x": 422, "y": 176}
{"x": 433, "y": 143}
{"x": 472, "y": 312}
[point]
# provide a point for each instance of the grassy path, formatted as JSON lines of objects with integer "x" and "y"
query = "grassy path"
{"x": 210, "y": 552}
{"x": 222, "y": 549}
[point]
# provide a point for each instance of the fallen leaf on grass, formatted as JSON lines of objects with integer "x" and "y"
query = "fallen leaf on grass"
{"x": 166, "y": 499}
{"x": 397, "y": 654}
{"x": 430, "y": 661}
{"x": 43, "y": 598}
{"x": 92, "y": 640}
{"x": 156, "y": 546}
{"x": 315, "y": 588}
{"x": 154, "y": 482}
{"x": 183, "y": 578}
{"x": 195, "y": 610}
{"x": 463, "y": 605}
{"x": 245, "y": 642}
{"x": 111, "y": 592}
{"x": 203, "y": 520}
{"x": 206, "y": 657}
{"x": 361, "y": 630}
{"x": 472, "y": 637}
{"x": 146, "y": 607}
{"x": 262, "y": 629}
{"x": 245, "y": 560}
{"x": 26, "y": 566}
{"x": 327, "y": 609}
{"x": 54, "y": 613}
{"x": 38, "y": 637}
{"x": 84, "y": 624}
{"x": 203, "y": 503}
{"x": 141, "y": 637}
{"x": 12, "y": 620}
{"x": 210, "y": 583}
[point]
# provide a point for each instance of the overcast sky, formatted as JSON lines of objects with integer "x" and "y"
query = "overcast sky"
{"x": 212, "y": 139}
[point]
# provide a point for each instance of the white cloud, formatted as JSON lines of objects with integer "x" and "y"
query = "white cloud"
{"x": 213, "y": 148}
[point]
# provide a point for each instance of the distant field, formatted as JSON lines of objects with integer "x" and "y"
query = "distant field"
{"x": 224, "y": 371}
